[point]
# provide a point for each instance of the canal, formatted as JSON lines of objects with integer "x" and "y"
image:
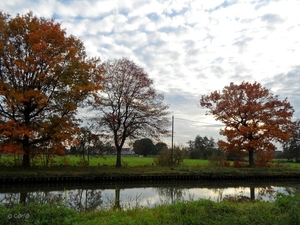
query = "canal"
{"x": 121, "y": 195}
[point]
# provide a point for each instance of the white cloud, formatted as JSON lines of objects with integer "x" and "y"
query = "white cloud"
{"x": 189, "y": 48}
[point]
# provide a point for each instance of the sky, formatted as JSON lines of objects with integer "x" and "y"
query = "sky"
{"x": 188, "y": 48}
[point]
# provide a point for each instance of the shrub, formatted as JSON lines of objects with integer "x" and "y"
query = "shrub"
{"x": 290, "y": 204}
{"x": 225, "y": 163}
{"x": 236, "y": 163}
{"x": 216, "y": 159}
{"x": 165, "y": 158}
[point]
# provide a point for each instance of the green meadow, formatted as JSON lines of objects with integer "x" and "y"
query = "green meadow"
{"x": 137, "y": 161}
{"x": 76, "y": 166}
{"x": 71, "y": 160}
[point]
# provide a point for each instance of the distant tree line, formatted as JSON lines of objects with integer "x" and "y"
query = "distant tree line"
{"x": 291, "y": 148}
{"x": 146, "y": 147}
{"x": 202, "y": 147}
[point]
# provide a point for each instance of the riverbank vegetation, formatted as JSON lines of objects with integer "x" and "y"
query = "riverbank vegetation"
{"x": 74, "y": 166}
{"x": 284, "y": 210}
{"x": 127, "y": 161}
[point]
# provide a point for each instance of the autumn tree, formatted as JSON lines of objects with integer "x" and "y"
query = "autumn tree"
{"x": 254, "y": 118}
{"x": 129, "y": 107}
{"x": 44, "y": 76}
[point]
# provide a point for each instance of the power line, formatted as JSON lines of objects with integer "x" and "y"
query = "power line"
{"x": 198, "y": 122}
{"x": 187, "y": 120}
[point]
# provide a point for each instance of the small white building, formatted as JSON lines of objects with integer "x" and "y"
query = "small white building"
{"x": 127, "y": 151}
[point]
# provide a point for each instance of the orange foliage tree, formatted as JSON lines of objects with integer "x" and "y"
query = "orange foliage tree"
{"x": 128, "y": 106}
{"x": 254, "y": 118}
{"x": 44, "y": 76}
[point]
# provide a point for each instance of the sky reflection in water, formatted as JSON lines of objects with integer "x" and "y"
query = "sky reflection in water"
{"x": 91, "y": 197}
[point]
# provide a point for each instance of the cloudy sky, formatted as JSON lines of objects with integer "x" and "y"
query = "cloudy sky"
{"x": 188, "y": 47}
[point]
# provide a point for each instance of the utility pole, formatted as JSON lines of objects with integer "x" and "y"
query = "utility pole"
{"x": 172, "y": 145}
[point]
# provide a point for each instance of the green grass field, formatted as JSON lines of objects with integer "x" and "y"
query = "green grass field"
{"x": 75, "y": 166}
{"x": 146, "y": 161}
{"x": 71, "y": 160}
{"x": 137, "y": 161}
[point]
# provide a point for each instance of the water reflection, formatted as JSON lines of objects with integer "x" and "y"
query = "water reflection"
{"x": 84, "y": 199}
{"x": 117, "y": 203}
{"x": 252, "y": 193}
{"x": 122, "y": 196}
{"x": 170, "y": 195}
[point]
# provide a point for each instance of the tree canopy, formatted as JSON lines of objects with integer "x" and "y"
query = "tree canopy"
{"x": 254, "y": 118}
{"x": 128, "y": 106}
{"x": 144, "y": 147}
{"x": 160, "y": 146}
{"x": 202, "y": 147}
{"x": 44, "y": 76}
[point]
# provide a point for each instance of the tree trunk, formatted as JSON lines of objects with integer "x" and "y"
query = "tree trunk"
{"x": 88, "y": 155}
{"x": 26, "y": 159}
{"x": 251, "y": 157}
{"x": 117, "y": 205}
{"x": 118, "y": 162}
{"x": 23, "y": 197}
{"x": 83, "y": 153}
{"x": 252, "y": 193}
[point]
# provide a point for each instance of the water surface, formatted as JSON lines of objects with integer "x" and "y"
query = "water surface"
{"x": 92, "y": 196}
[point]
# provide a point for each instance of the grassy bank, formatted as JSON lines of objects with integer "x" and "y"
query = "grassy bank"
{"x": 141, "y": 170}
{"x": 71, "y": 166}
{"x": 285, "y": 210}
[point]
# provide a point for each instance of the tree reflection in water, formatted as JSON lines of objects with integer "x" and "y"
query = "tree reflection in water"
{"x": 85, "y": 199}
{"x": 121, "y": 198}
{"x": 79, "y": 200}
{"x": 117, "y": 203}
{"x": 128, "y": 202}
{"x": 13, "y": 199}
{"x": 267, "y": 192}
{"x": 170, "y": 195}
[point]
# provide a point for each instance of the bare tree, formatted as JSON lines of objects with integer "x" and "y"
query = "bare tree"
{"x": 128, "y": 107}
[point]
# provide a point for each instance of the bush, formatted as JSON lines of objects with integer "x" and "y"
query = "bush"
{"x": 205, "y": 153}
{"x": 216, "y": 159}
{"x": 237, "y": 163}
{"x": 290, "y": 204}
{"x": 165, "y": 158}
